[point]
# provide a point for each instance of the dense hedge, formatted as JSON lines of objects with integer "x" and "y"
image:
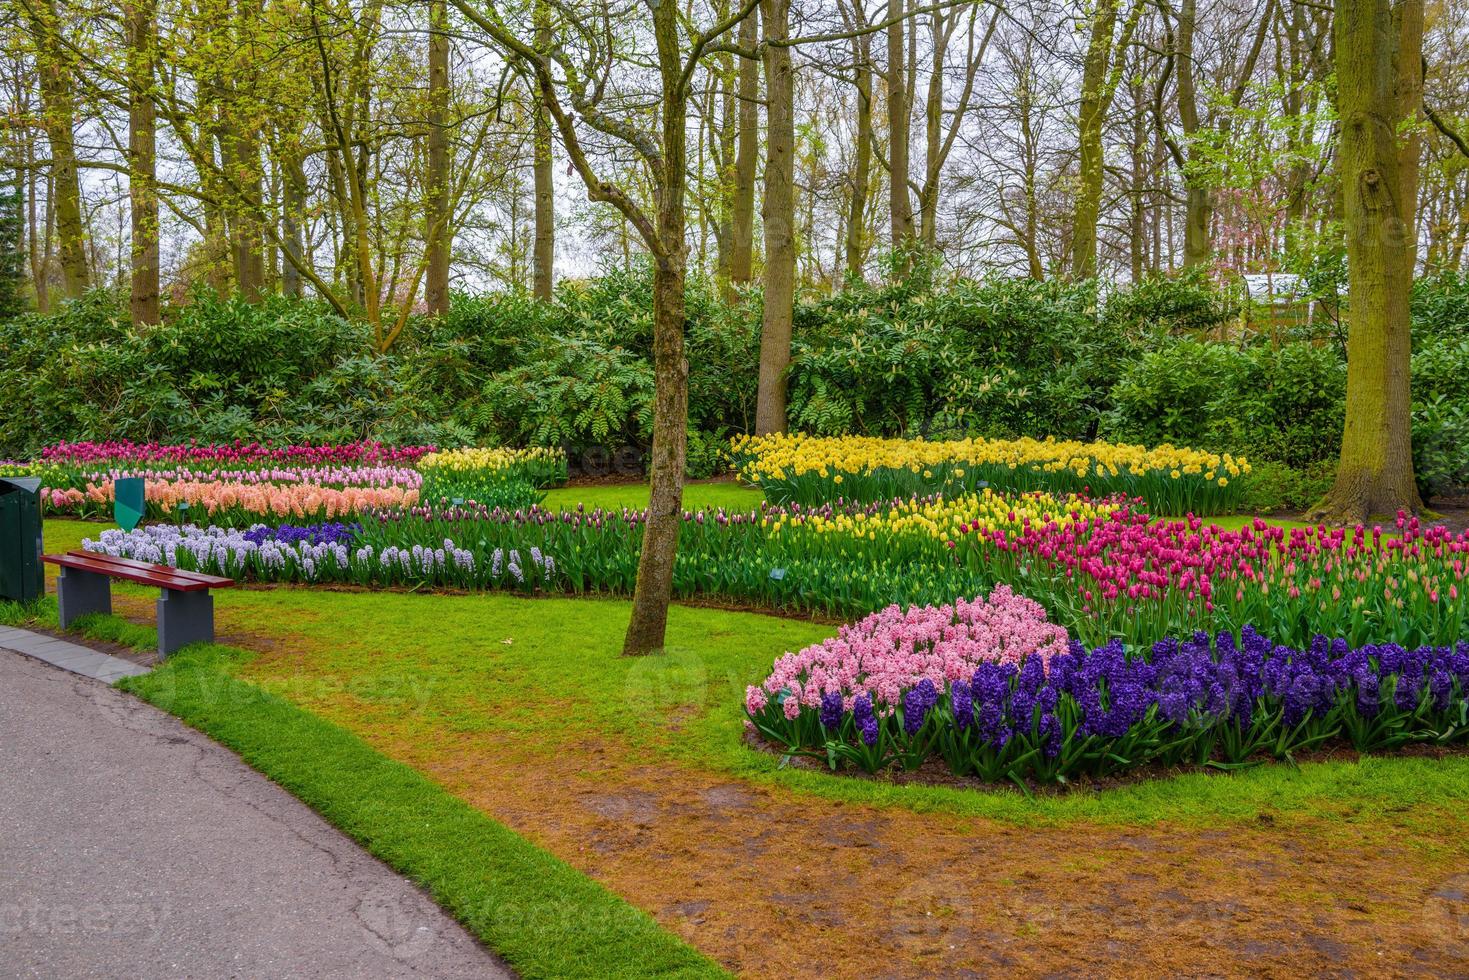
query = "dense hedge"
{"x": 920, "y": 353}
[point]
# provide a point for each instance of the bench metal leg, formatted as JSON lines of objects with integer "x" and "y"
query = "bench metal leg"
{"x": 80, "y": 593}
{"x": 184, "y": 618}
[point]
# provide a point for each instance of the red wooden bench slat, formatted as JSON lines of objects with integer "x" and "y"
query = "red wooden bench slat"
{"x": 157, "y": 575}
{"x": 141, "y": 576}
{"x": 213, "y": 581}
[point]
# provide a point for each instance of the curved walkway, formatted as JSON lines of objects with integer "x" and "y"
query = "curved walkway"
{"x": 133, "y": 846}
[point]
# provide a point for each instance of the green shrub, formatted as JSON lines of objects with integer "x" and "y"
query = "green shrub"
{"x": 1287, "y": 405}
{"x": 572, "y": 390}
{"x": 1267, "y": 403}
{"x": 1275, "y": 486}
{"x": 919, "y": 354}
{"x": 1185, "y": 303}
{"x": 1441, "y": 414}
{"x": 1169, "y": 395}
{"x": 1440, "y": 307}
{"x": 708, "y": 453}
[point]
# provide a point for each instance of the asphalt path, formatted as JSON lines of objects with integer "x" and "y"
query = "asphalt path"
{"x": 132, "y": 846}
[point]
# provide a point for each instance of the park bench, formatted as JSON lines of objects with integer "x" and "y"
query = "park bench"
{"x": 185, "y": 607}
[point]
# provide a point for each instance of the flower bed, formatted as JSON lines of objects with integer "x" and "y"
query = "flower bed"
{"x": 493, "y": 477}
{"x": 57, "y": 476}
{"x": 325, "y": 553}
{"x": 810, "y": 470}
{"x": 233, "y": 504}
{"x": 1102, "y": 570}
{"x": 293, "y": 482}
{"x": 235, "y": 454}
{"x": 902, "y": 688}
{"x": 1126, "y": 575}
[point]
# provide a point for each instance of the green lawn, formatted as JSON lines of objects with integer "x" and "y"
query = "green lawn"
{"x": 705, "y": 493}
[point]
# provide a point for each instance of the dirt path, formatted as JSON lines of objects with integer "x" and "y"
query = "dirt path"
{"x": 774, "y": 884}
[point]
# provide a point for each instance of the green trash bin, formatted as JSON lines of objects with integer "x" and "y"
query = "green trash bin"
{"x": 21, "y": 578}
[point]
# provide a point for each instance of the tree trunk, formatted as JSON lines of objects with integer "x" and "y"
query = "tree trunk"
{"x": 1197, "y": 209}
{"x": 1094, "y": 100}
{"x": 742, "y": 245}
{"x": 722, "y": 143}
{"x": 543, "y": 257}
{"x": 37, "y": 231}
{"x": 293, "y": 206}
{"x": 438, "y": 230}
{"x": 899, "y": 201}
{"x": 1137, "y": 225}
{"x": 1380, "y": 84}
{"x": 1198, "y": 214}
{"x": 933, "y": 121}
{"x": 58, "y": 109}
{"x": 142, "y": 163}
{"x": 240, "y": 156}
{"x": 861, "y": 162}
{"x": 778, "y": 211}
{"x": 654, "y": 592}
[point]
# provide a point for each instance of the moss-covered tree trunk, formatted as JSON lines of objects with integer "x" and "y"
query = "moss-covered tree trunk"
{"x": 1093, "y": 112}
{"x": 543, "y": 257}
{"x": 437, "y": 222}
{"x": 779, "y": 213}
{"x": 1380, "y": 84}
{"x": 747, "y": 158}
{"x": 899, "y": 202}
{"x": 56, "y": 67}
{"x": 649, "y": 622}
{"x": 856, "y": 238}
{"x": 142, "y": 163}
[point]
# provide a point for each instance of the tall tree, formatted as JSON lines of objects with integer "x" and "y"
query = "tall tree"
{"x": 900, "y": 201}
{"x": 543, "y": 252}
{"x": 56, "y": 63}
{"x": 855, "y": 20}
{"x": 142, "y": 49}
{"x": 679, "y": 49}
{"x": 438, "y": 222}
{"x": 12, "y": 253}
{"x": 1101, "y": 71}
{"x": 747, "y": 156}
{"x": 237, "y": 129}
{"x": 1379, "y": 66}
{"x": 779, "y": 214}
{"x": 939, "y": 140}
{"x": 1201, "y": 128}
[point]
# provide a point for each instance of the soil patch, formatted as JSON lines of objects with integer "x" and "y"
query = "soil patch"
{"x": 776, "y": 884}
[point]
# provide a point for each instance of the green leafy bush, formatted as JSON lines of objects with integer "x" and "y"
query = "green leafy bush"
{"x": 1185, "y": 303}
{"x": 1440, "y": 307}
{"x": 1168, "y": 395}
{"x": 924, "y": 355}
{"x": 572, "y": 389}
{"x": 920, "y": 352}
{"x": 1274, "y": 486}
{"x": 1441, "y": 414}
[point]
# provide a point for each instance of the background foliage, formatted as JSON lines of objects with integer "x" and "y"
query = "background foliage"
{"x": 920, "y": 353}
